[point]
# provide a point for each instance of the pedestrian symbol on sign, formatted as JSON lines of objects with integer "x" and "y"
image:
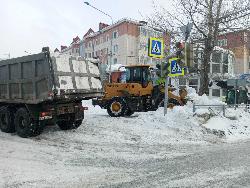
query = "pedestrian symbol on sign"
{"x": 175, "y": 68}
{"x": 156, "y": 48}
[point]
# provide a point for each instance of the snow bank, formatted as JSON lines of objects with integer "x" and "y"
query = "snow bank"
{"x": 236, "y": 124}
{"x": 202, "y": 100}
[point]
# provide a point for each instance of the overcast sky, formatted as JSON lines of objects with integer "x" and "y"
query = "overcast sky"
{"x": 28, "y": 25}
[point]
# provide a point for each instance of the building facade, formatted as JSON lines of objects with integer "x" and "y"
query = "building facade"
{"x": 73, "y": 49}
{"x": 239, "y": 43}
{"x": 125, "y": 42}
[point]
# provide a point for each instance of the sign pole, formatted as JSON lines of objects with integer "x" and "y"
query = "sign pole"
{"x": 235, "y": 94}
{"x": 166, "y": 97}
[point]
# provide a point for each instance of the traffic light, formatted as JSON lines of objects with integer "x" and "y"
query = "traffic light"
{"x": 184, "y": 51}
{"x": 163, "y": 69}
{"x": 188, "y": 55}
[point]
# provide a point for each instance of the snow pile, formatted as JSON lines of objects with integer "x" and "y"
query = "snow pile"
{"x": 234, "y": 125}
{"x": 178, "y": 126}
{"x": 116, "y": 67}
{"x": 202, "y": 100}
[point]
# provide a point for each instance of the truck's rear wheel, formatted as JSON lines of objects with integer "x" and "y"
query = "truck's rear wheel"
{"x": 69, "y": 124}
{"x": 7, "y": 120}
{"x": 117, "y": 107}
{"x": 24, "y": 125}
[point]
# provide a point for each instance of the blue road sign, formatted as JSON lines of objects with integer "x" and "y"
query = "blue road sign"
{"x": 156, "y": 48}
{"x": 175, "y": 68}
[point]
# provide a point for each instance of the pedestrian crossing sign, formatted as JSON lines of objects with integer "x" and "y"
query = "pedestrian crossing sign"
{"x": 156, "y": 48}
{"x": 174, "y": 68}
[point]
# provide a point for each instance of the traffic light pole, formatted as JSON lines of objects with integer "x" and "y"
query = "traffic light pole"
{"x": 166, "y": 97}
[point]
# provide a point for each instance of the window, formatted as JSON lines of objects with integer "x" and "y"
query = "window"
{"x": 115, "y": 34}
{"x": 89, "y": 55}
{"x": 216, "y": 68}
{"x": 86, "y": 55}
{"x": 222, "y": 42}
{"x": 115, "y": 48}
{"x": 216, "y": 57}
{"x": 225, "y": 58}
{"x": 101, "y": 40}
{"x": 215, "y": 92}
{"x": 143, "y": 32}
{"x": 136, "y": 73}
{"x": 107, "y": 38}
{"x": 96, "y": 42}
{"x": 115, "y": 61}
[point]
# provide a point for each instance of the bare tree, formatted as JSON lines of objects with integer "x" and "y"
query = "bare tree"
{"x": 210, "y": 18}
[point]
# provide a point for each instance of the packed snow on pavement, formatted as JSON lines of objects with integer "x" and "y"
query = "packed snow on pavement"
{"x": 101, "y": 151}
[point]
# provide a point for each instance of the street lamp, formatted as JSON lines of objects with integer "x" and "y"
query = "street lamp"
{"x": 111, "y": 40}
{"x": 87, "y": 3}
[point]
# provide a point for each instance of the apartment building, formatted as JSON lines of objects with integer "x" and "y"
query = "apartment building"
{"x": 125, "y": 42}
{"x": 73, "y": 48}
{"x": 239, "y": 43}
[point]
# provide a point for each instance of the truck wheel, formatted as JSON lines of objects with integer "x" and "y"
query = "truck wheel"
{"x": 7, "y": 120}
{"x": 116, "y": 107}
{"x": 71, "y": 124}
{"x": 23, "y": 123}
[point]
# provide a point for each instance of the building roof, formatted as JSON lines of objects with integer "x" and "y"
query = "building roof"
{"x": 76, "y": 40}
{"x": 63, "y": 47}
{"x": 112, "y": 26}
{"x": 108, "y": 27}
{"x": 90, "y": 31}
{"x": 56, "y": 50}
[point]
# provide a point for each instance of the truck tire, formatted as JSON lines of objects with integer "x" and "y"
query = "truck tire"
{"x": 7, "y": 120}
{"x": 117, "y": 107}
{"x": 70, "y": 124}
{"x": 24, "y": 125}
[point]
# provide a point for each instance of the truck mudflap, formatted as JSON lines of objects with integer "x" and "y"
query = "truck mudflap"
{"x": 99, "y": 102}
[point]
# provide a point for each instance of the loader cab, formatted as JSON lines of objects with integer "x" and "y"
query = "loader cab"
{"x": 138, "y": 74}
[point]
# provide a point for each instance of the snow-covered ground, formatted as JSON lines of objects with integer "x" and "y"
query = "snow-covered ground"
{"x": 98, "y": 151}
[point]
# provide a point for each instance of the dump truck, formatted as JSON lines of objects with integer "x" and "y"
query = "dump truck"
{"x": 133, "y": 91}
{"x": 39, "y": 89}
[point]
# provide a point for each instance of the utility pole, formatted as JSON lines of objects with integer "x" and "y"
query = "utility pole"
{"x": 111, "y": 39}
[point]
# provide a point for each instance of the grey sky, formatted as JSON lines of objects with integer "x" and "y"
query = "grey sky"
{"x": 28, "y": 25}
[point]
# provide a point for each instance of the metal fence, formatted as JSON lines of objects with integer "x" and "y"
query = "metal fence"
{"x": 217, "y": 109}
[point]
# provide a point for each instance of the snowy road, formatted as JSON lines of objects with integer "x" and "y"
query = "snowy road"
{"x": 224, "y": 165}
{"x": 146, "y": 150}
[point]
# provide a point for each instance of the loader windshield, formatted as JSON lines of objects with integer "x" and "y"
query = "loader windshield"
{"x": 138, "y": 74}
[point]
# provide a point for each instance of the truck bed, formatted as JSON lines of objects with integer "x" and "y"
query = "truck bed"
{"x": 40, "y": 77}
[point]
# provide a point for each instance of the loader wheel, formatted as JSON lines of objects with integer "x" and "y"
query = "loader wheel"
{"x": 117, "y": 107}
{"x": 25, "y": 126}
{"x": 7, "y": 120}
{"x": 69, "y": 124}
{"x": 129, "y": 112}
